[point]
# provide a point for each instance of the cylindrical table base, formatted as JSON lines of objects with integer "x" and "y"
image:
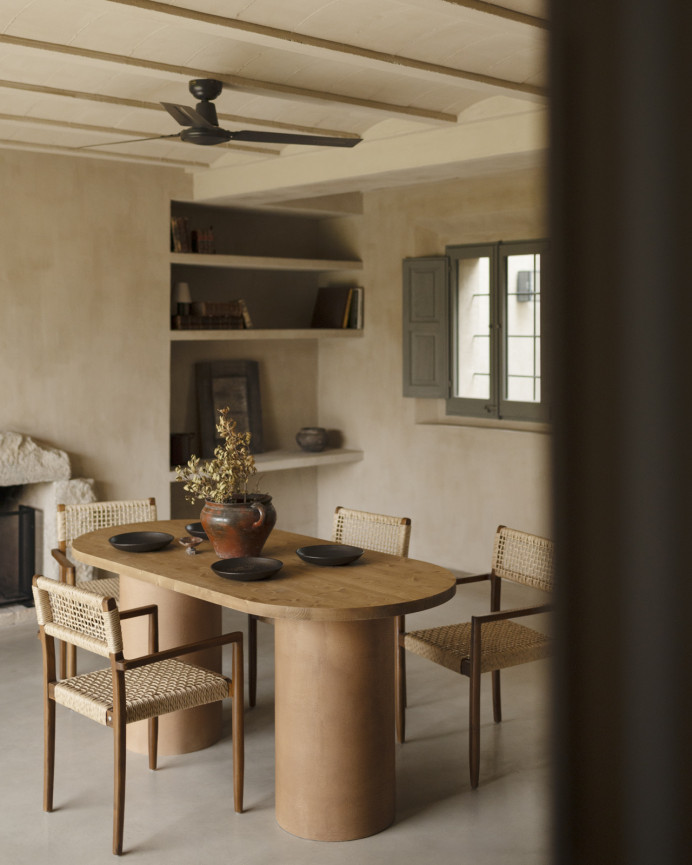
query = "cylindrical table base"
{"x": 335, "y": 778}
{"x": 181, "y": 620}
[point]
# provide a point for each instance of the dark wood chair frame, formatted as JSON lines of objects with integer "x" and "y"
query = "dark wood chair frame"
{"x": 67, "y": 574}
{"x": 470, "y": 667}
{"x": 116, "y": 718}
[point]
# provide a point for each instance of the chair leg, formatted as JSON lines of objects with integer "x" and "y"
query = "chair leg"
{"x": 48, "y": 752}
{"x": 153, "y": 742}
{"x": 252, "y": 659}
{"x": 238, "y": 731}
{"x": 63, "y": 659}
{"x": 71, "y": 660}
{"x": 474, "y": 727}
{"x": 400, "y": 624}
{"x": 400, "y": 688}
{"x": 497, "y": 700}
{"x": 119, "y": 767}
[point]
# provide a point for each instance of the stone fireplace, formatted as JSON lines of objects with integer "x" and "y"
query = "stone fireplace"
{"x": 34, "y": 478}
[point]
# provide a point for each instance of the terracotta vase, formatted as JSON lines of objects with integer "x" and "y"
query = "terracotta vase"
{"x": 239, "y": 529}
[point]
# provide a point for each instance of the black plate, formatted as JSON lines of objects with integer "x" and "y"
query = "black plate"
{"x": 196, "y": 530}
{"x": 141, "y": 542}
{"x": 247, "y": 568}
{"x": 329, "y": 554}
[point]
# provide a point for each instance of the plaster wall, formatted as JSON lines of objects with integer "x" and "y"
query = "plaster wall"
{"x": 84, "y": 326}
{"x": 457, "y": 483}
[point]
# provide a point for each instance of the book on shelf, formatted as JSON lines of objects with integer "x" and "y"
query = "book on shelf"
{"x": 180, "y": 234}
{"x": 338, "y": 307}
{"x": 355, "y": 314}
{"x": 332, "y": 306}
{"x": 202, "y": 240}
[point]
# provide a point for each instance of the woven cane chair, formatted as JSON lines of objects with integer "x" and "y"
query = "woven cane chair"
{"x": 76, "y": 520}
{"x": 130, "y": 690}
{"x": 490, "y": 642}
{"x": 359, "y": 528}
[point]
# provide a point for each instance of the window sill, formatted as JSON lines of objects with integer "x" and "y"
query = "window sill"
{"x": 431, "y": 412}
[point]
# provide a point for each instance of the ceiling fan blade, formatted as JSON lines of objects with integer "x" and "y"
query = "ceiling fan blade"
{"x": 186, "y": 116}
{"x": 293, "y": 138}
{"x": 128, "y": 141}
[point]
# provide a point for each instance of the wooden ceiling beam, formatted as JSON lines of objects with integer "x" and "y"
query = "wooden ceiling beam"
{"x": 287, "y": 39}
{"x": 246, "y": 85}
{"x": 156, "y": 106}
{"x": 499, "y": 12}
{"x": 15, "y": 144}
{"x": 113, "y": 130}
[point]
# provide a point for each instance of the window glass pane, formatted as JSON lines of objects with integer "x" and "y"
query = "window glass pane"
{"x": 473, "y": 328}
{"x": 522, "y": 328}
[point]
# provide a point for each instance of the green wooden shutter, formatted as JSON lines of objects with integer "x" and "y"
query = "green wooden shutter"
{"x": 426, "y": 327}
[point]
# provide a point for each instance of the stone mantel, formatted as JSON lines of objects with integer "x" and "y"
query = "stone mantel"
{"x": 24, "y": 461}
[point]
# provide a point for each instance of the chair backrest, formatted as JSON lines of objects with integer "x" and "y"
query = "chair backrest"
{"x": 76, "y": 520}
{"x": 372, "y": 531}
{"x": 523, "y": 558}
{"x": 76, "y": 616}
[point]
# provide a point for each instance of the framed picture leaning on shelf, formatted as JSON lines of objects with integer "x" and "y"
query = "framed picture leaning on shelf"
{"x": 232, "y": 383}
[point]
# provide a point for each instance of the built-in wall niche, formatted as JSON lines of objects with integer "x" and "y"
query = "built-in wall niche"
{"x": 276, "y": 264}
{"x": 287, "y": 385}
{"x": 274, "y": 299}
{"x": 262, "y": 233}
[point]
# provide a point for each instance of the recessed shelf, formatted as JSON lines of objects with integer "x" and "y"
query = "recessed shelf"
{"x": 261, "y": 262}
{"x": 280, "y": 460}
{"x": 262, "y": 333}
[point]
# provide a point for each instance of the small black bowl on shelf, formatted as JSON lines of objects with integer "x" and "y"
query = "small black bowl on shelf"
{"x": 312, "y": 439}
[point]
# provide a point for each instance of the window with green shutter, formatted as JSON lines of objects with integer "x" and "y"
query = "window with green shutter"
{"x": 472, "y": 330}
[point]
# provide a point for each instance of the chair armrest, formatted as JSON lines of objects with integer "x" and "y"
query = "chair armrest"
{"x": 67, "y": 569}
{"x": 61, "y": 558}
{"x": 167, "y": 654}
{"x": 512, "y": 614}
{"x": 149, "y": 610}
{"x": 472, "y": 578}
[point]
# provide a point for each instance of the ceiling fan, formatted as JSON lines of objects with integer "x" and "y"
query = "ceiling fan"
{"x": 202, "y": 125}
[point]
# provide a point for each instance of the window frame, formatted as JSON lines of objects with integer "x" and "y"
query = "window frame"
{"x": 497, "y": 406}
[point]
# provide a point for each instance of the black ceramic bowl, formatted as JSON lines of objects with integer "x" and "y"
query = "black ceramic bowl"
{"x": 247, "y": 568}
{"x": 196, "y": 530}
{"x": 329, "y": 554}
{"x": 140, "y": 542}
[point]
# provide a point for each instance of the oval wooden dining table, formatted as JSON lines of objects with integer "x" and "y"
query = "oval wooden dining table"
{"x": 334, "y": 663}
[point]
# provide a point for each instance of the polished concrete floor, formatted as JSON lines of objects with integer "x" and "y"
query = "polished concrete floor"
{"x": 182, "y": 813}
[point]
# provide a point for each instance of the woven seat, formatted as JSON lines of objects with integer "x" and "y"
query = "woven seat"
{"x": 129, "y": 690}
{"x": 371, "y": 531}
{"x": 488, "y": 643}
{"x": 76, "y": 520}
{"x": 505, "y": 644}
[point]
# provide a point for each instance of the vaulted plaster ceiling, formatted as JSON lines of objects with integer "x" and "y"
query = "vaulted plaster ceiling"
{"x": 435, "y": 88}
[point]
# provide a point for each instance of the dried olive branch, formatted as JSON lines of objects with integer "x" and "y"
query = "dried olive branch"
{"x": 225, "y": 477}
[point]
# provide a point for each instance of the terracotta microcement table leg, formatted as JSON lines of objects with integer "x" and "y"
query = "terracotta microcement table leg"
{"x": 181, "y": 620}
{"x": 334, "y": 690}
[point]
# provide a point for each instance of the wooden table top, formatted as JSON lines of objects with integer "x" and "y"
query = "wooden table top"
{"x": 377, "y": 585}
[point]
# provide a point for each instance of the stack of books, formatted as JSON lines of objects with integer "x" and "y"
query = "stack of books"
{"x": 185, "y": 240}
{"x": 180, "y": 235}
{"x": 214, "y": 315}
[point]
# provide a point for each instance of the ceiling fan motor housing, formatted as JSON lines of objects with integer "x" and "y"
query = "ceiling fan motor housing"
{"x": 204, "y": 135}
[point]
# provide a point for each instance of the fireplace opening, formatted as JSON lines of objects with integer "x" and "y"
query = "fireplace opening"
{"x": 17, "y": 548}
